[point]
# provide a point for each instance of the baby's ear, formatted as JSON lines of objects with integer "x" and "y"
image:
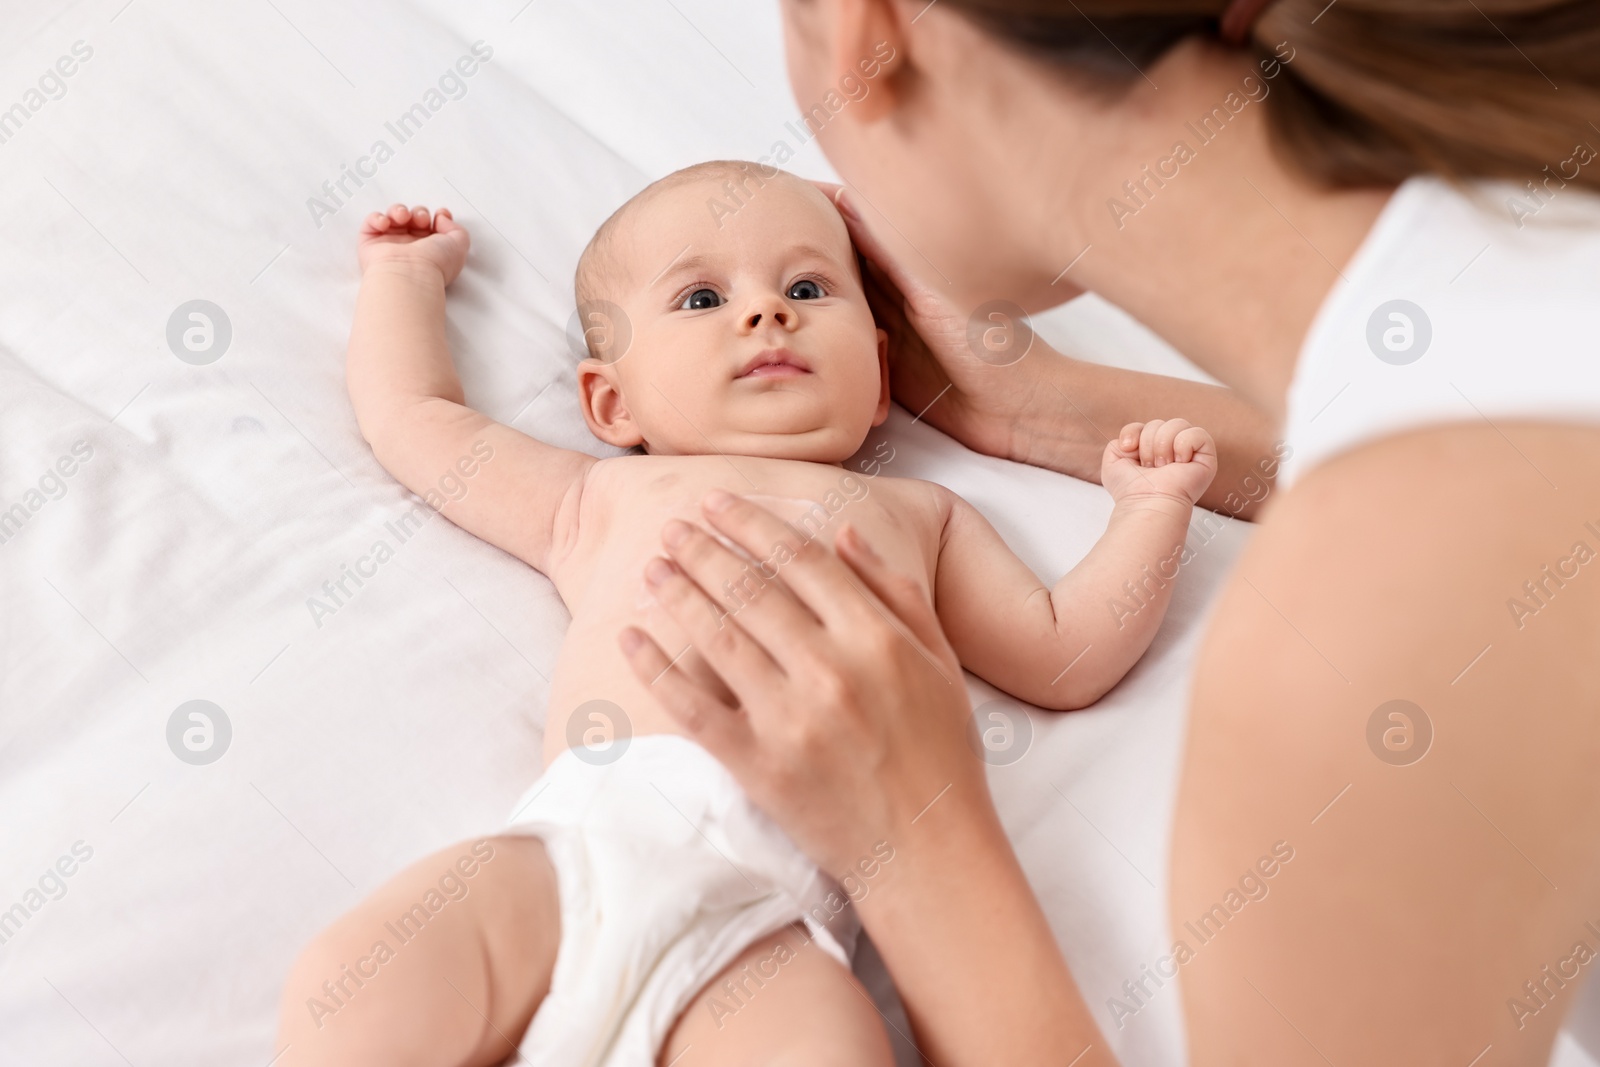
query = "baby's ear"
{"x": 884, "y": 398}
{"x": 604, "y": 409}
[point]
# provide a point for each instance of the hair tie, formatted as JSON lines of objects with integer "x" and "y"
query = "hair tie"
{"x": 1240, "y": 18}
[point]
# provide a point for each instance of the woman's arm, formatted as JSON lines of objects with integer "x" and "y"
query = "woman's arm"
{"x": 1046, "y": 408}
{"x": 970, "y": 950}
{"x": 851, "y": 732}
{"x": 1367, "y": 696}
{"x": 1070, "y": 402}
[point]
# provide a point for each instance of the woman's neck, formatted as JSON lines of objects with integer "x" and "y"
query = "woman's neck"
{"x": 1229, "y": 256}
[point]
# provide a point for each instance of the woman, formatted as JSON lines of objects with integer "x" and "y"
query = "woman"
{"x": 1249, "y": 179}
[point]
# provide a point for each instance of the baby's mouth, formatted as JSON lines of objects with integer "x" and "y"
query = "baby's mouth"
{"x": 775, "y": 363}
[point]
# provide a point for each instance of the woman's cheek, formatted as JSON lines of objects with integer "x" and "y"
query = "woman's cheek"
{"x": 801, "y": 37}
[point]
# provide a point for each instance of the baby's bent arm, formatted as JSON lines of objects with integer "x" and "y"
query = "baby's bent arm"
{"x": 491, "y": 480}
{"x": 1061, "y": 648}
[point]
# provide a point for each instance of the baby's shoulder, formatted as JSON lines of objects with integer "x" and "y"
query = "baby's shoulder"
{"x": 918, "y": 491}
{"x": 605, "y": 482}
{"x": 915, "y": 501}
{"x": 622, "y": 477}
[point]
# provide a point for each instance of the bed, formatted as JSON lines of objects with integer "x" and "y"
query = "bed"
{"x": 204, "y": 755}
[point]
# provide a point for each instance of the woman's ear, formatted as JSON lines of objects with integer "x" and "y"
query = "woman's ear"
{"x": 604, "y": 409}
{"x": 869, "y": 49}
{"x": 884, "y": 399}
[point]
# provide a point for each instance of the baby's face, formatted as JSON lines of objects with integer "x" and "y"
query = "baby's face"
{"x": 750, "y": 333}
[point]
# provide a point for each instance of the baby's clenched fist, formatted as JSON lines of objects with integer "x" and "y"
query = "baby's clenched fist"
{"x": 1167, "y": 458}
{"x": 411, "y": 235}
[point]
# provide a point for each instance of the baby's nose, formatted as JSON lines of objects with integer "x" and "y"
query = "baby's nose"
{"x": 780, "y": 316}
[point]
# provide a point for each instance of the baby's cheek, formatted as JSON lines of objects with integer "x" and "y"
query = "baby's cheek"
{"x": 864, "y": 376}
{"x": 678, "y": 417}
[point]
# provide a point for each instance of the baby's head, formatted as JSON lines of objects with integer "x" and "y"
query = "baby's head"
{"x": 744, "y": 328}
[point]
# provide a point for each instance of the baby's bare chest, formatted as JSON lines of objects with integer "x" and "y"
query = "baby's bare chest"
{"x": 616, "y": 530}
{"x": 626, "y": 501}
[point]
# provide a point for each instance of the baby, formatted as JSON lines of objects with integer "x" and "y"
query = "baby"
{"x": 638, "y": 909}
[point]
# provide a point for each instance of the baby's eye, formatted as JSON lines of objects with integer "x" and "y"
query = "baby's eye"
{"x": 805, "y": 289}
{"x": 701, "y": 299}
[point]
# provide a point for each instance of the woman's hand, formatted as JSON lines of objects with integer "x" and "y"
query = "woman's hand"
{"x": 850, "y": 730}
{"x": 852, "y": 713}
{"x": 1042, "y": 407}
{"x": 934, "y": 369}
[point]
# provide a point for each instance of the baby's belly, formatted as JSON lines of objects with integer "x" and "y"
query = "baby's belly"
{"x": 595, "y": 700}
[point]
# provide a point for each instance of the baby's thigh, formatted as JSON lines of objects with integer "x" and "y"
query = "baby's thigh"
{"x": 783, "y": 1001}
{"x": 399, "y": 978}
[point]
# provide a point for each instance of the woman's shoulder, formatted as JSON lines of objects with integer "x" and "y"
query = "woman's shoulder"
{"x": 1408, "y": 636}
{"x": 1455, "y": 308}
{"x": 1459, "y": 509}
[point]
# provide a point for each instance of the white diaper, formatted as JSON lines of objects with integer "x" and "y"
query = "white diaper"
{"x": 666, "y": 873}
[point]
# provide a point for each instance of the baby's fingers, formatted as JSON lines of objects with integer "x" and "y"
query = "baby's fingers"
{"x": 421, "y": 221}
{"x": 444, "y": 222}
{"x": 1193, "y": 442}
{"x": 1128, "y": 439}
{"x": 399, "y": 215}
{"x": 1147, "y": 443}
{"x": 1165, "y": 438}
{"x": 375, "y": 224}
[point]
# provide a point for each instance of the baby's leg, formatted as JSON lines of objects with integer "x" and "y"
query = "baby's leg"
{"x": 782, "y": 1002}
{"x": 439, "y": 967}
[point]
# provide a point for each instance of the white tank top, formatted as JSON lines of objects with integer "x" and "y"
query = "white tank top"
{"x": 1467, "y": 304}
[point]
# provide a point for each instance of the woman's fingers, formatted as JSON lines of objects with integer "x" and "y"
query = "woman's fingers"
{"x": 864, "y": 239}
{"x": 721, "y": 730}
{"x": 733, "y": 583}
{"x": 869, "y": 245}
{"x": 827, "y": 747}
{"x": 829, "y": 190}
{"x": 739, "y": 661}
{"x": 900, "y": 593}
{"x": 812, "y": 573}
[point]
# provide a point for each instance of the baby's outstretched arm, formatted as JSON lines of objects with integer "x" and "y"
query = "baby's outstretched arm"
{"x": 491, "y": 480}
{"x": 1064, "y": 648}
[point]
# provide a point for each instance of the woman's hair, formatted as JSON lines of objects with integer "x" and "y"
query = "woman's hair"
{"x": 1377, "y": 90}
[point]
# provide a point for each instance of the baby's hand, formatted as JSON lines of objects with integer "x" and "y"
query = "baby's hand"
{"x": 1159, "y": 459}
{"x": 408, "y": 234}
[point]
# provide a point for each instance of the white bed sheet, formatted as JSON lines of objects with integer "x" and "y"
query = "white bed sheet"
{"x": 178, "y": 163}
